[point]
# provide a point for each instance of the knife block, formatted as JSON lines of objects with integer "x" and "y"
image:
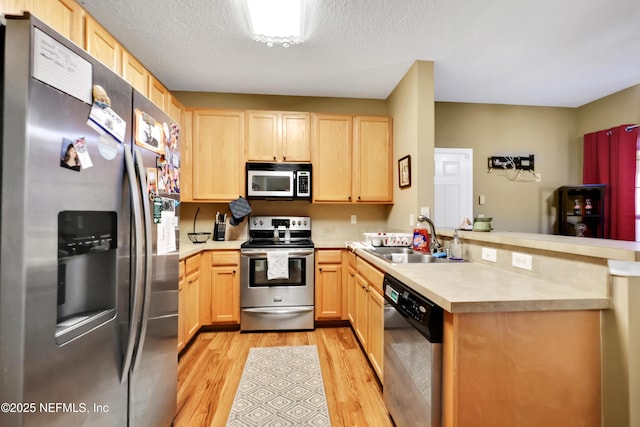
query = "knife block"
{"x": 218, "y": 231}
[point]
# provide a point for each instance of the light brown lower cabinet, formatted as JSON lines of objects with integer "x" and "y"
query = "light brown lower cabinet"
{"x": 225, "y": 287}
{"x": 188, "y": 299}
{"x": 329, "y": 292}
{"x": 366, "y": 311}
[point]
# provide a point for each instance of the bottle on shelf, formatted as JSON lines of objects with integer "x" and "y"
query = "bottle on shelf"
{"x": 577, "y": 207}
{"x": 588, "y": 207}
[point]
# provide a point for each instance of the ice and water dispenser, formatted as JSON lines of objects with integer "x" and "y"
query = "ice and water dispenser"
{"x": 87, "y": 271}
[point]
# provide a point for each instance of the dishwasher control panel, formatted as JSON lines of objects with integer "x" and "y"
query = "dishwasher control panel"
{"x": 424, "y": 314}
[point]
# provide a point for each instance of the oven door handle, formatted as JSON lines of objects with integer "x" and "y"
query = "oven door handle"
{"x": 262, "y": 254}
{"x": 278, "y": 310}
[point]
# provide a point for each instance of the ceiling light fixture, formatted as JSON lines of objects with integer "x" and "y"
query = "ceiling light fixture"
{"x": 274, "y": 22}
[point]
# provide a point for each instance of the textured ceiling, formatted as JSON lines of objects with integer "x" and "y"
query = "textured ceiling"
{"x": 544, "y": 52}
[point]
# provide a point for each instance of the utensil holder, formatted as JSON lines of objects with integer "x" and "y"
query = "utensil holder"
{"x": 218, "y": 231}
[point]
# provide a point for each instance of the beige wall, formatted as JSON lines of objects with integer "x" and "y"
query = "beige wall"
{"x": 499, "y": 130}
{"x": 411, "y": 106}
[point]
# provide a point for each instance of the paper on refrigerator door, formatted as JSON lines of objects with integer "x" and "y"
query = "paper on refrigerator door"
{"x": 166, "y": 228}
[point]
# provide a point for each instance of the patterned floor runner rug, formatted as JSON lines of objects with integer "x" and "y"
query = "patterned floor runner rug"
{"x": 280, "y": 386}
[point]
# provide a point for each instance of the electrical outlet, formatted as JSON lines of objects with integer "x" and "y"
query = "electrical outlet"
{"x": 354, "y": 219}
{"x": 424, "y": 210}
{"x": 522, "y": 261}
{"x": 489, "y": 254}
{"x": 411, "y": 220}
{"x": 482, "y": 199}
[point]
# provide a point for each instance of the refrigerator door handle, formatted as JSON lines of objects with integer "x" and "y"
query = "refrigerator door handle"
{"x": 137, "y": 265}
{"x": 148, "y": 268}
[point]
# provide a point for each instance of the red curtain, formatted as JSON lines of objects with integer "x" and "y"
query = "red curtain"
{"x": 610, "y": 158}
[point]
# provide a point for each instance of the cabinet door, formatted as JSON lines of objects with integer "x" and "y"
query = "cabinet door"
{"x": 218, "y": 156}
{"x": 64, "y": 16}
{"x": 329, "y": 290}
{"x": 373, "y": 154}
{"x": 174, "y": 108}
{"x": 362, "y": 309}
{"x": 158, "y": 93}
{"x": 102, "y": 46}
{"x": 263, "y": 136}
{"x": 135, "y": 73}
{"x": 225, "y": 295}
{"x": 192, "y": 302}
{"x": 332, "y": 158}
{"x": 375, "y": 349}
{"x": 295, "y": 137}
{"x": 181, "y": 306}
{"x": 352, "y": 290}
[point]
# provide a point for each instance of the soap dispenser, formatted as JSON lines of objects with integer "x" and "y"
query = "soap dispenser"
{"x": 455, "y": 250}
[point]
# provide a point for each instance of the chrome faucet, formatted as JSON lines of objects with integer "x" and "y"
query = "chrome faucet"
{"x": 434, "y": 244}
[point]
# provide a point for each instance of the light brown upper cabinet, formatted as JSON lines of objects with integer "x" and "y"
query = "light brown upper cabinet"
{"x": 64, "y": 16}
{"x": 373, "y": 179}
{"x": 102, "y": 46}
{"x": 158, "y": 94}
{"x": 332, "y": 161}
{"x": 174, "y": 108}
{"x": 352, "y": 159}
{"x": 274, "y": 136}
{"x": 217, "y": 155}
{"x": 135, "y": 73}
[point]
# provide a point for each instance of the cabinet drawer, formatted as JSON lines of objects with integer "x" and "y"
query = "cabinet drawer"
{"x": 374, "y": 276}
{"x": 329, "y": 256}
{"x": 192, "y": 264}
{"x": 225, "y": 258}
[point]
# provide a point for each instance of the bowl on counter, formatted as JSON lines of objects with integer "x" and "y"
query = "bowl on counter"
{"x": 482, "y": 224}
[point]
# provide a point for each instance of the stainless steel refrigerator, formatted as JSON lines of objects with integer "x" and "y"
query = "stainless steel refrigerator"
{"x": 88, "y": 256}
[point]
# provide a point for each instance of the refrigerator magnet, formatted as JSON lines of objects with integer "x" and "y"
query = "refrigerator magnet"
{"x": 105, "y": 120}
{"x": 69, "y": 156}
{"x": 83, "y": 155}
{"x": 148, "y": 132}
{"x": 107, "y": 147}
{"x": 152, "y": 181}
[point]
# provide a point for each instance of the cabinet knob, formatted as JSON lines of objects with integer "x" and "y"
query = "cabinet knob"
{"x": 274, "y": 157}
{"x": 349, "y": 198}
{"x": 284, "y": 157}
{"x": 234, "y": 272}
{"x": 320, "y": 269}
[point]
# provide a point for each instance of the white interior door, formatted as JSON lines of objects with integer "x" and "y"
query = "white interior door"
{"x": 453, "y": 181}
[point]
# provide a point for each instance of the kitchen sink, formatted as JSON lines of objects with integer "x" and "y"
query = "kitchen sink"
{"x": 403, "y": 255}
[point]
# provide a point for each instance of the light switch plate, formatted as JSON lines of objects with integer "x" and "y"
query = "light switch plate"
{"x": 523, "y": 261}
{"x": 354, "y": 219}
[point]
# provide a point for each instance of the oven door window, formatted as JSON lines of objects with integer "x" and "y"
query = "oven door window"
{"x": 258, "y": 273}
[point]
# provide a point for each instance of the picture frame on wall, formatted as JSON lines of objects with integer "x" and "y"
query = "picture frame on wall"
{"x": 404, "y": 171}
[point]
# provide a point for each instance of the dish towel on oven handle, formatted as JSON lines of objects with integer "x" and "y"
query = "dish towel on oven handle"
{"x": 277, "y": 265}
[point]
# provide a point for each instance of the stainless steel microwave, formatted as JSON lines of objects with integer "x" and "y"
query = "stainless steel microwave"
{"x": 279, "y": 181}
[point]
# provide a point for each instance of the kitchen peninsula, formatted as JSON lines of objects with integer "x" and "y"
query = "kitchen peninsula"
{"x": 521, "y": 347}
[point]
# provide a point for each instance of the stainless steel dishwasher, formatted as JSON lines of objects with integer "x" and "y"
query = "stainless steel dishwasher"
{"x": 412, "y": 356}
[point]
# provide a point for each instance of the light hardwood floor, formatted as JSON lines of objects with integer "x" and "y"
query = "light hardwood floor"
{"x": 210, "y": 370}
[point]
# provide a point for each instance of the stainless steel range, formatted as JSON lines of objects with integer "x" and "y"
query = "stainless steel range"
{"x": 277, "y": 274}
